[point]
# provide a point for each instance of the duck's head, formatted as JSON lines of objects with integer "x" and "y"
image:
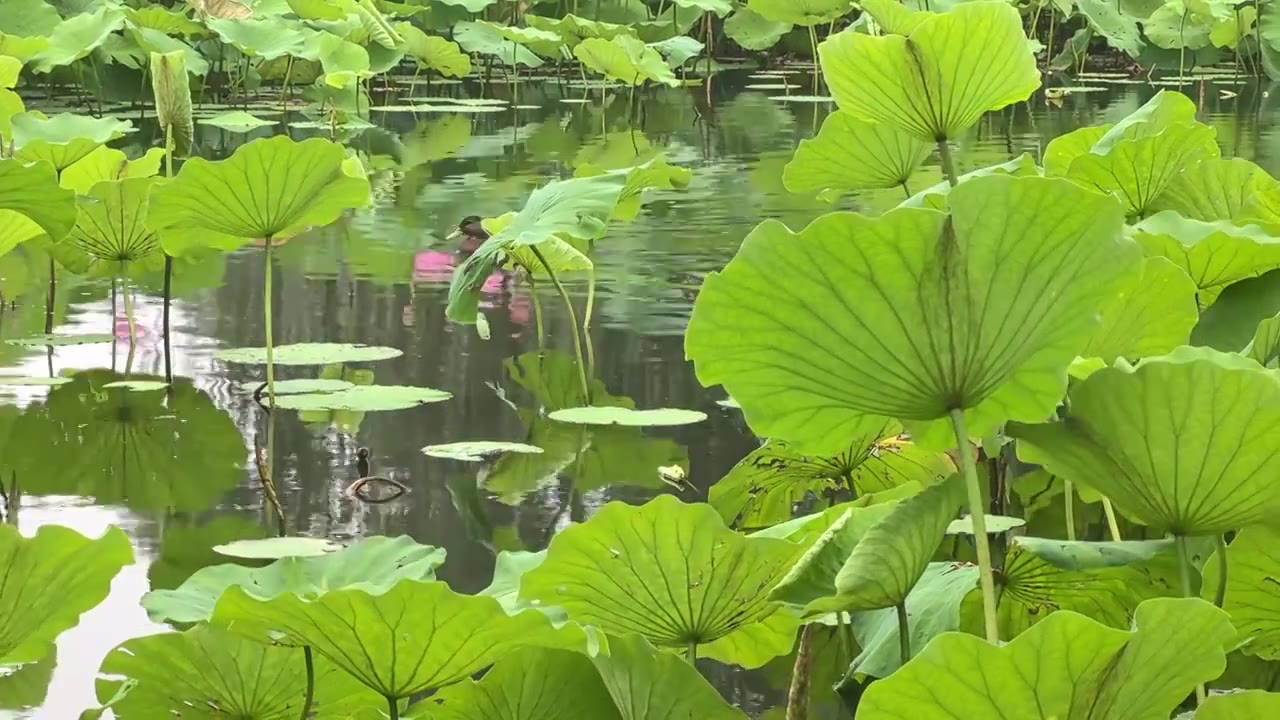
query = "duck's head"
{"x": 362, "y": 461}
{"x": 470, "y": 227}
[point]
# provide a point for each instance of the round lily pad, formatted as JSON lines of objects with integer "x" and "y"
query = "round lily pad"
{"x": 803, "y": 98}
{"x": 309, "y": 354}
{"x": 302, "y": 385}
{"x": 57, "y": 340}
{"x": 627, "y": 416}
{"x": 478, "y": 450}
{"x": 995, "y": 524}
{"x": 768, "y": 86}
{"x": 276, "y": 548}
{"x": 365, "y": 398}
{"x": 475, "y": 101}
{"x": 136, "y": 385}
{"x": 11, "y": 381}
{"x": 576, "y": 101}
{"x": 459, "y": 108}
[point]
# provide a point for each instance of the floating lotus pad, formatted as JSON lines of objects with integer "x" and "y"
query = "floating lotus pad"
{"x": 627, "y": 416}
{"x": 11, "y": 381}
{"x": 276, "y": 548}
{"x": 803, "y": 98}
{"x": 136, "y": 385}
{"x": 459, "y": 108}
{"x": 57, "y": 340}
{"x": 308, "y": 354}
{"x": 996, "y": 524}
{"x": 365, "y": 398}
{"x": 237, "y": 121}
{"x": 477, "y": 450}
{"x": 302, "y": 385}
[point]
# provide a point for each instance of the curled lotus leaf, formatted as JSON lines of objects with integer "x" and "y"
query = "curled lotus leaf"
{"x": 913, "y": 314}
{"x": 1174, "y": 441}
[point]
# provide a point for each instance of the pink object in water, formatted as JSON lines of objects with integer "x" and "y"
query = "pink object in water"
{"x": 437, "y": 266}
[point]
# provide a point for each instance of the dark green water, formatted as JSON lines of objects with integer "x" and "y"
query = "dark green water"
{"x": 176, "y": 473}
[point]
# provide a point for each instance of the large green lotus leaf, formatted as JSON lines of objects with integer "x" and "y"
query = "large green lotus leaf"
{"x": 22, "y": 48}
{"x": 76, "y": 37}
{"x": 933, "y": 607}
{"x": 29, "y": 17}
{"x": 207, "y": 674}
{"x": 267, "y": 38}
{"x": 574, "y": 29}
{"x": 106, "y": 164}
{"x": 1240, "y": 706}
{"x": 1067, "y": 666}
{"x": 32, "y": 192}
{"x": 1137, "y": 171}
{"x": 173, "y": 451}
{"x": 434, "y": 52}
{"x": 10, "y": 102}
{"x": 656, "y": 174}
{"x": 485, "y": 39}
{"x": 566, "y": 686}
{"x": 1216, "y": 189}
{"x": 272, "y": 187}
{"x": 669, "y": 571}
{"x": 765, "y": 486}
{"x": 939, "y": 80}
{"x": 1253, "y": 564}
{"x": 625, "y": 59}
{"x": 49, "y": 580}
{"x": 64, "y": 138}
{"x": 678, "y": 50}
{"x": 752, "y": 31}
{"x": 162, "y": 19}
{"x": 1265, "y": 345}
{"x": 1120, "y": 29}
{"x": 1064, "y": 149}
{"x": 879, "y": 568}
{"x": 414, "y": 637}
{"x": 935, "y": 196}
{"x": 110, "y": 237}
{"x": 1214, "y": 254}
{"x": 546, "y": 43}
{"x": 1150, "y": 317}
{"x": 647, "y": 684}
{"x": 375, "y": 564}
{"x": 25, "y": 687}
{"x": 1175, "y": 441}
{"x": 1175, "y": 27}
{"x": 1104, "y": 580}
{"x": 344, "y": 63}
{"x": 801, "y": 12}
{"x": 852, "y": 154}
{"x": 895, "y": 17}
{"x": 914, "y": 313}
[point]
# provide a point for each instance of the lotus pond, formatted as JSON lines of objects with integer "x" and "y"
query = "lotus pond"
{"x": 475, "y": 360}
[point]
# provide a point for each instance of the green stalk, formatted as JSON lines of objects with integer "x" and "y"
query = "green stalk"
{"x": 573, "y": 320}
{"x": 904, "y": 632}
{"x": 128, "y": 316}
{"x": 53, "y": 291}
{"x": 692, "y": 653}
{"x": 271, "y": 368}
{"x": 1110, "y": 512}
{"x": 537, "y": 310}
{"x": 393, "y": 709}
{"x": 168, "y": 263}
{"x": 311, "y": 682}
{"x": 1184, "y": 574}
{"x": 978, "y": 514}
{"x": 586, "y": 322}
{"x": 798, "y": 693}
{"x": 817, "y": 71}
{"x": 1220, "y": 595}
{"x": 948, "y": 167}
{"x": 284, "y": 90}
{"x": 1069, "y": 493}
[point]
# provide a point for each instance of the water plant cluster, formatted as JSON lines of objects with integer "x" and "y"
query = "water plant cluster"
{"x": 947, "y": 393}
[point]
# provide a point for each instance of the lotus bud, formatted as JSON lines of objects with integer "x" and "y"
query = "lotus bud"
{"x": 172, "y": 90}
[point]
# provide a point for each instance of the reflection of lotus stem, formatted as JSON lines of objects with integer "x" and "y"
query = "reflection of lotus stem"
{"x": 798, "y": 693}
{"x": 573, "y": 322}
{"x": 1069, "y": 492}
{"x": 537, "y": 310}
{"x": 1110, "y": 512}
{"x": 948, "y": 167}
{"x": 1220, "y": 594}
{"x": 53, "y": 291}
{"x": 1184, "y": 574}
{"x": 904, "y": 632}
{"x": 128, "y": 316}
{"x": 311, "y": 682}
{"x": 978, "y": 514}
{"x": 817, "y": 69}
{"x": 271, "y": 367}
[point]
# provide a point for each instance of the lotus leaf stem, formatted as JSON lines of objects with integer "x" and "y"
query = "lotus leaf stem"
{"x": 573, "y": 320}
{"x": 978, "y": 515}
{"x": 1220, "y": 594}
{"x": 904, "y": 632}
{"x": 537, "y": 310}
{"x": 311, "y": 682}
{"x": 1069, "y": 507}
{"x": 692, "y": 653}
{"x": 284, "y": 89}
{"x": 948, "y": 167}
{"x": 798, "y": 693}
{"x": 1184, "y": 574}
{"x": 53, "y": 291}
{"x": 1109, "y": 510}
{"x": 586, "y": 322}
{"x": 817, "y": 68}
{"x": 128, "y": 316}
{"x": 271, "y": 367}
{"x": 393, "y": 709}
